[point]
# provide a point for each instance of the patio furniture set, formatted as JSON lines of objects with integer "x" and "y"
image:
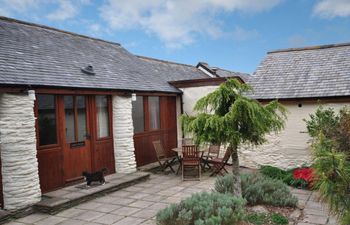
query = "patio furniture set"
{"x": 192, "y": 159}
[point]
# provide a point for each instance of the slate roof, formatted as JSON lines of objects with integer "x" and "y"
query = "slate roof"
{"x": 312, "y": 72}
{"x": 219, "y": 72}
{"x": 226, "y": 73}
{"x": 36, "y": 55}
{"x": 173, "y": 71}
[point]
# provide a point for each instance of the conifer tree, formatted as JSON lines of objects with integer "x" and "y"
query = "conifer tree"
{"x": 228, "y": 117}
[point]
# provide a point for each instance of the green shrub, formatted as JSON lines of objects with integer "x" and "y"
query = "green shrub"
{"x": 204, "y": 209}
{"x": 257, "y": 218}
{"x": 284, "y": 175}
{"x": 258, "y": 189}
{"x": 277, "y": 218}
{"x": 274, "y": 172}
{"x": 263, "y": 218}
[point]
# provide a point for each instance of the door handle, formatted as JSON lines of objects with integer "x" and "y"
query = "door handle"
{"x": 88, "y": 136}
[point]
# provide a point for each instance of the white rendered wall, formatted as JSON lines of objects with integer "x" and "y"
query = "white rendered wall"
{"x": 20, "y": 175}
{"x": 123, "y": 135}
{"x": 192, "y": 94}
{"x": 289, "y": 148}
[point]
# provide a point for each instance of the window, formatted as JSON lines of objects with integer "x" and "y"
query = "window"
{"x": 75, "y": 116}
{"x": 102, "y": 116}
{"x": 47, "y": 119}
{"x": 153, "y": 107}
{"x": 138, "y": 115}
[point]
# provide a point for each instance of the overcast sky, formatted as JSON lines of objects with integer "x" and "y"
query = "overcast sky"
{"x": 232, "y": 34}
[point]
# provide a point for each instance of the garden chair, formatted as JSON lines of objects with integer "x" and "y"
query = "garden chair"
{"x": 187, "y": 141}
{"x": 163, "y": 160}
{"x": 190, "y": 160}
{"x": 213, "y": 153}
{"x": 218, "y": 164}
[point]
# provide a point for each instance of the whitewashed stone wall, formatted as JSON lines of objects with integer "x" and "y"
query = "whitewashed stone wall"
{"x": 123, "y": 132}
{"x": 20, "y": 175}
{"x": 290, "y": 148}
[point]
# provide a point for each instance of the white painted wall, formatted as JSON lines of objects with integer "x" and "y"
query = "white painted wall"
{"x": 20, "y": 174}
{"x": 123, "y": 135}
{"x": 192, "y": 94}
{"x": 289, "y": 148}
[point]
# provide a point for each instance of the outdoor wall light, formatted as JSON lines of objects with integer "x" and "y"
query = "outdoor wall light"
{"x": 133, "y": 97}
{"x": 31, "y": 94}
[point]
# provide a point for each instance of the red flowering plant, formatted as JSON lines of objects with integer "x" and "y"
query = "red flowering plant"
{"x": 305, "y": 174}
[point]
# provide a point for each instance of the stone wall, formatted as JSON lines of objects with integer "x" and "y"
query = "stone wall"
{"x": 18, "y": 151}
{"x": 123, "y": 135}
{"x": 290, "y": 148}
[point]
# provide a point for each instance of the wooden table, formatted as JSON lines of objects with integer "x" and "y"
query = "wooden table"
{"x": 178, "y": 151}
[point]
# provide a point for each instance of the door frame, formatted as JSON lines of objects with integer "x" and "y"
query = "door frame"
{"x": 57, "y": 150}
{"x": 66, "y": 147}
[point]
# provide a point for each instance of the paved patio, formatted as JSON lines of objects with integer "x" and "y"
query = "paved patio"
{"x": 139, "y": 204}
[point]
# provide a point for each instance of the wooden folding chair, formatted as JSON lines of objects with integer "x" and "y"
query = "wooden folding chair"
{"x": 219, "y": 164}
{"x": 187, "y": 141}
{"x": 213, "y": 153}
{"x": 190, "y": 160}
{"x": 164, "y": 161}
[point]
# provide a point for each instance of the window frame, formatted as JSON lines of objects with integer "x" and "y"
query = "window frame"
{"x": 146, "y": 115}
{"x": 110, "y": 118}
{"x": 37, "y": 132}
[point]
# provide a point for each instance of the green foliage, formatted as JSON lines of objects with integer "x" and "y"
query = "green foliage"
{"x": 257, "y": 218}
{"x": 324, "y": 120}
{"x": 226, "y": 116}
{"x": 204, "y": 209}
{"x": 258, "y": 189}
{"x": 263, "y": 219}
{"x": 334, "y": 126}
{"x": 332, "y": 170}
{"x": 273, "y": 172}
{"x": 277, "y": 218}
{"x": 331, "y": 144}
{"x": 284, "y": 175}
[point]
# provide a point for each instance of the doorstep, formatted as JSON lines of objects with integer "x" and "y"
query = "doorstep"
{"x": 56, "y": 201}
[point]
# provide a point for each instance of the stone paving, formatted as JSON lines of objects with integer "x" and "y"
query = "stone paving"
{"x": 139, "y": 204}
{"x": 313, "y": 211}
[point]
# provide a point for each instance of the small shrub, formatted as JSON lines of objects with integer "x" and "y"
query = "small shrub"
{"x": 204, "y": 209}
{"x": 273, "y": 172}
{"x": 263, "y": 219}
{"x": 257, "y": 218}
{"x": 258, "y": 189}
{"x": 277, "y": 218}
{"x": 293, "y": 177}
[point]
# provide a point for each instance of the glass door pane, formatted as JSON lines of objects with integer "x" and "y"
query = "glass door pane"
{"x": 81, "y": 117}
{"x": 69, "y": 117}
{"x": 102, "y": 116}
{"x": 75, "y": 118}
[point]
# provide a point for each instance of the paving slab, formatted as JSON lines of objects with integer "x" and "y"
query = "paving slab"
{"x": 140, "y": 203}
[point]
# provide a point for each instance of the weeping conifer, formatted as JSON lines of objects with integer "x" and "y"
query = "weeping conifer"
{"x": 228, "y": 117}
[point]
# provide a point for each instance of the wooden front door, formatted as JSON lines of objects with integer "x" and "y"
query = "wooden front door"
{"x": 77, "y": 135}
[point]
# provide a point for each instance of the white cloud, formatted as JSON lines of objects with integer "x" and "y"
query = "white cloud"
{"x": 66, "y": 10}
{"x": 7, "y": 7}
{"x": 177, "y": 23}
{"x": 332, "y": 8}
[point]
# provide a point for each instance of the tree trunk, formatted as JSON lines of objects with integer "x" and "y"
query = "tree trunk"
{"x": 237, "y": 190}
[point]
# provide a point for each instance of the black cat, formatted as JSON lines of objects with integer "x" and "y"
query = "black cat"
{"x": 96, "y": 176}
